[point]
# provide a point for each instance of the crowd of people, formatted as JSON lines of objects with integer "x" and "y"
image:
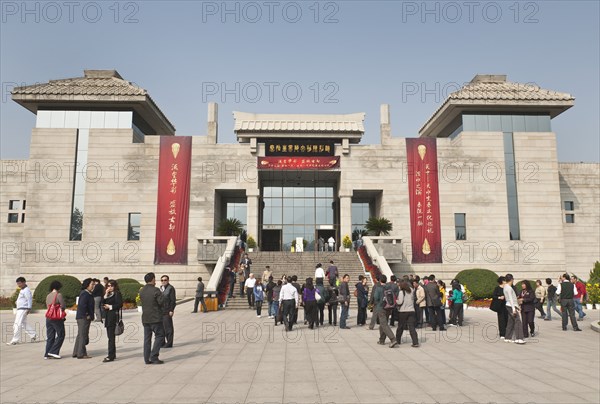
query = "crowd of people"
{"x": 410, "y": 301}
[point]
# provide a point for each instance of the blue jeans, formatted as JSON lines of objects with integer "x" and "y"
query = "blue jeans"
{"x": 578, "y": 307}
{"x": 552, "y": 304}
{"x": 344, "y": 315}
{"x": 275, "y": 309}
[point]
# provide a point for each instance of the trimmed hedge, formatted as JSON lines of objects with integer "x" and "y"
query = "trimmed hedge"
{"x": 129, "y": 291}
{"x": 71, "y": 287}
{"x": 122, "y": 281}
{"x": 481, "y": 282}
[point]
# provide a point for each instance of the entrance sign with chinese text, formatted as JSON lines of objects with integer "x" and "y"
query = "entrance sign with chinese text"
{"x": 299, "y": 163}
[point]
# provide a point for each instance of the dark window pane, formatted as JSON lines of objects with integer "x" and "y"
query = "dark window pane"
{"x": 133, "y": 228}
{"x": 570, "y": 218}
{"x": 13, "y": 218}
{"x": 24, "y": 204}
{"x": 569, "y": 205}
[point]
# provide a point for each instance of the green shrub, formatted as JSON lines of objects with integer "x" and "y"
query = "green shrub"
{"x": 481, "y": 282}
{"x": 595, "y": 273}
{"x": 122, "y": 281}
{"x": 129, "y": 291}
{"x": 71, "y": 287}
{"x": 14, "y": 297}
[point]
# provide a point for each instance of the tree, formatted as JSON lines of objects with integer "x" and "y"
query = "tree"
{"x": 358, "y": 233}
{"x": 76, "y": 225}
{"x": 595, "y": 273}
{"x": 377, "y": 226}
{"x": 230, "y": 227}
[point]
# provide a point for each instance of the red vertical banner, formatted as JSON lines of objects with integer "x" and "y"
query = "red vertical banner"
{"x": 173, "y": 202}
{"x": 421, "y": 156}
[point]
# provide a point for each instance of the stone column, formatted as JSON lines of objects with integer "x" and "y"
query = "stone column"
{"x": 345, "y": 214}
{"x": 253, "y": 199}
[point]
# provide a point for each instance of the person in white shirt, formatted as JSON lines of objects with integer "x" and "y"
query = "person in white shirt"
{"x": 249, "y": 285}
{"x": 288, "y": 299}
{"x": 331, "y": 242}
{"x": 24, "y": 303}
{"x": 512, "y": 306}
{"x": 319, "y": 273}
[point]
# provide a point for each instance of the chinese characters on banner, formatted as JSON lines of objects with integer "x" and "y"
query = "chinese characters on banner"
{"x": 297, "y": 147}
{"x": 421, "y": 156}
{"x": 298, "y": 163}
{"x": 173, "y": 202}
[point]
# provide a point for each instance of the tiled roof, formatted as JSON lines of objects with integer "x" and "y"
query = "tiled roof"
{"x": 107, "y": 84}
{"x": 299, "y": 123}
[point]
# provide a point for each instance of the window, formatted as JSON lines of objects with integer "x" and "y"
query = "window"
{"x": 133, "y": 228}
{"x": 569, "y": 205}
{"x": 511, "y": 187}
{"x": 16, "y": 208}
{"x": 460, "y": 226}
{"x": 570, "y": 218}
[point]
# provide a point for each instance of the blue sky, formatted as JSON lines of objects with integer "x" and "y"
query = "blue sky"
{"x": 344, "y": 57}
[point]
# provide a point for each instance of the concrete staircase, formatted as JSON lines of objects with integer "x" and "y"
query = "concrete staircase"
{"x": 302, "y": 265}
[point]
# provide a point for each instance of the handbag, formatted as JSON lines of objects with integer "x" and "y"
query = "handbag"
{"x": 55, "y": 312}
{"x": 317, "y": 296}
{"x": 120, "y": 327}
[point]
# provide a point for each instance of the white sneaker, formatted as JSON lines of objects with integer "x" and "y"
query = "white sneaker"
{"x": 502, "y": 338}
{"x": 508, "y": 340}
{"x": 55, "y": 356}
{"x": 11, "y": 343}
{"x": 519, "y": 341}
{"x": 258, "y": 316}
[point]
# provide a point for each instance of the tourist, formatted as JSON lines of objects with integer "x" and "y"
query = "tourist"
{"x": 24, "y": 304}
{"x": 332, "y": 273}
{"x": 344, "y": 298}
{"x": 296, "y": 285}
{"x": 168, "y": 306}
{"x": 499, "y": 306}
{"x": 362, "y": 296}
{"x": 200, "y": 297}
{"x": 566, "y": 293}
{"x": 232, "y": 278}
{"x": 152, "y": 319}
{"x": 379, "y": 300}
{"x": 434, "y": 303}
{"x": 526, "y": 299}
{"x": 321, "y": 243}
{"x": 456, "y": 317}
{"x": 332, "y": 304}
{"x": 310, "y": 303}
{"x": 97, "y": 293}
{"x": 319, "y": 272}
{"x": 276, "y": 310}
{"x": 406, "y": 313}
{"x": 420, "y": 302}
{"x": 324, "y": 298}
{"x": 112, "y": 302}
{"x": 55, "y": 329}
{"x": 514, "y": 328}
{"x": 331, "y": 243}
{"x": 259, "y": 296}
{"x": 551, "y": 304}
{"x": 395, "y": 289}
{"x": 540, "y": 295}
{"x": 84, "y": 317}
{"x": 269, "y": 292}
{"x": 242, "y": 278}
{"x": 249, "y": 286}
{"x": 247, "y": 263}
{"x": 374, "y": 317}
{"x": 442, "y": 287}
{"x": 579, "y": 297}
{"x": 266, "y": 275}
{"x": 288, "y": 299}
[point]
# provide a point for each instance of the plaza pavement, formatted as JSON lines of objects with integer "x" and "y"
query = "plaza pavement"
{"x": 234, "y": 357}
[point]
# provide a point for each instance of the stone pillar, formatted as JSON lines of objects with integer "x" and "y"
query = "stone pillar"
{"x": 385, "y": 125}
{"x": 213, "y": 122}
{"x": 345, "y": 214}
{"x": 252, "y": 196}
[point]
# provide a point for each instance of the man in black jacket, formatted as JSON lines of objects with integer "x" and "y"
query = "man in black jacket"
{"x": 433, "y": 297}
{"x": 566, "y": 293}
{"x": 152, "y": 300}
{"x": 168, "y": 306}
{"x": 97, "y": 293}
{"x": 84, "y": 317}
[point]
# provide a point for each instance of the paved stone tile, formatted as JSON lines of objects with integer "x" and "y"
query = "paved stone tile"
{"x": 221, "y": 357}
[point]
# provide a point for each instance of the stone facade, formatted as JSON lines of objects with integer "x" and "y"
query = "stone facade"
{"x": 121, "y": 178}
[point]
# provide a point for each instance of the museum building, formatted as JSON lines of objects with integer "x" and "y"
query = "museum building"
{"x": 110, "y": 190}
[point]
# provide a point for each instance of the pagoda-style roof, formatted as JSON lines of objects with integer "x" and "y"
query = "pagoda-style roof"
{"x": 349, "y": 126}
{"x": 493, "y": 94}
{"x": 96, "y": 90}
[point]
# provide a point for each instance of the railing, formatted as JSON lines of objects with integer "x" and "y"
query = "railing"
{"x": 222, "y": 261}
{"x": 377, "y": 261}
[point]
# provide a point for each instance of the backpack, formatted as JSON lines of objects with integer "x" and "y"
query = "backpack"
{"x": 389, "y": 300}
